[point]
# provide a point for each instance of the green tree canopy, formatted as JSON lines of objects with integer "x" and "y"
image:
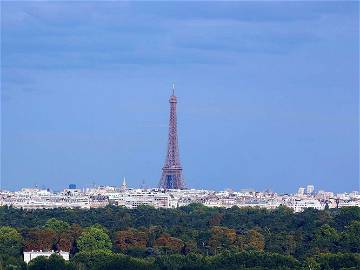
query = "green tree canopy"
{"x": 54, "y": 262}
{"x": 351, "y": 237}
{"x": 10, "y": 241}
{"x": 57, "y": 225}
{"x": 94, "y": 238}
{"x": 326, "y": 238}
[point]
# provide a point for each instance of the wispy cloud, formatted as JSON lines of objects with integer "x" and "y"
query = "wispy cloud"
{"x": 91, "y": 34}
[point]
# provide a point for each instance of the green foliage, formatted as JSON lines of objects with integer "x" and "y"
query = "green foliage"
{"x": 351, "y": 237}
{"x": 10, "y": 241}
{"x": 94, "y": 238}
{"x": 345, "y": 216}
{"x": 338, "y": 261}
{"x": 10, "y": 262}
{"x": 242, "y": 260}
{"x": 57, "y": 225}
{"x": 54, "y": 262}
{"x": 326, "y": 239}
{"x": 103, "y": 259}
{"x": 182, "y": 238}
{"x": 89, "y": 259}
{"x": 251, "y": 259}
{"x": 118, "y": 261}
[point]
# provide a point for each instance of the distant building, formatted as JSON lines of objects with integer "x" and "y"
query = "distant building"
{"x": 310, "y": 189}
{"x": 171, "y": 198}
{"x": 30, "y": 255}
{"x": 72, "y": 186}
{"x": 301, "y": 205}
{"x": 123, "y": 186}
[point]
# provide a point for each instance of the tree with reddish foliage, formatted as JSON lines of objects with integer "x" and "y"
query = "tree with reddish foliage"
{"x": 167, "y": 243}
{"x": 65, "y": 235}
{"x": 221, "y": 238}
{"x": 253, "y": 240}
{"x": 40, "y": 239}
{"x": 131, "y": 238}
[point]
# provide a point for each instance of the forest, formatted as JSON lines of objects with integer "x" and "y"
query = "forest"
{"x": 190, "y": 237}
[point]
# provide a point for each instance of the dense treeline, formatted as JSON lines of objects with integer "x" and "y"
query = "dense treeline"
{"x": 191, "y": 237}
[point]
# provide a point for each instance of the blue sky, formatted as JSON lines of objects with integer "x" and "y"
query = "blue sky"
{"x": 268, "y": 93}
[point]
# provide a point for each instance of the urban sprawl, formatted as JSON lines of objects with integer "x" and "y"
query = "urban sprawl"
{"x": 101, "y": 196}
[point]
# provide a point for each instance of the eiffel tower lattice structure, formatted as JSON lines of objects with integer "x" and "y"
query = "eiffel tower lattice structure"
{"x": 171, "y": 177}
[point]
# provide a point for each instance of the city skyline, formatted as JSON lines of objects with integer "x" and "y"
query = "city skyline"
{"x": 103, "y": 196}
{"x": 268, "y": 91}
{"x": 129, "y": 186}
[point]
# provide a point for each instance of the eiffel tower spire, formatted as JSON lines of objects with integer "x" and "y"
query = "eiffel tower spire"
{"x": 171, "y": 177}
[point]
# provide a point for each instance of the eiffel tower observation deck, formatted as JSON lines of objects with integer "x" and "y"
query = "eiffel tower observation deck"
{"x": 171, "y": 177}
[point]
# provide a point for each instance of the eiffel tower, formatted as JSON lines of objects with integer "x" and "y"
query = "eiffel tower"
{"x": 171, "y": 177}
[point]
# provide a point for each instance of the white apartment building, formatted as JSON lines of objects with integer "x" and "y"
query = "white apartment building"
{"x": 299, "y": 205}
{"x": 135, "y": 198}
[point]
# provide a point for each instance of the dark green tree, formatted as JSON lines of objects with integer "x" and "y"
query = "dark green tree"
{"x": 54, "y": 262}
{"x": 326, "y": 239}
{"x": 10, "y": 241}
{"x": 350, "y": 240}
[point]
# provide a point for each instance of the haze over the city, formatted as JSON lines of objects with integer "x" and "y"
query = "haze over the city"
{"x": 267, "y": 93}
